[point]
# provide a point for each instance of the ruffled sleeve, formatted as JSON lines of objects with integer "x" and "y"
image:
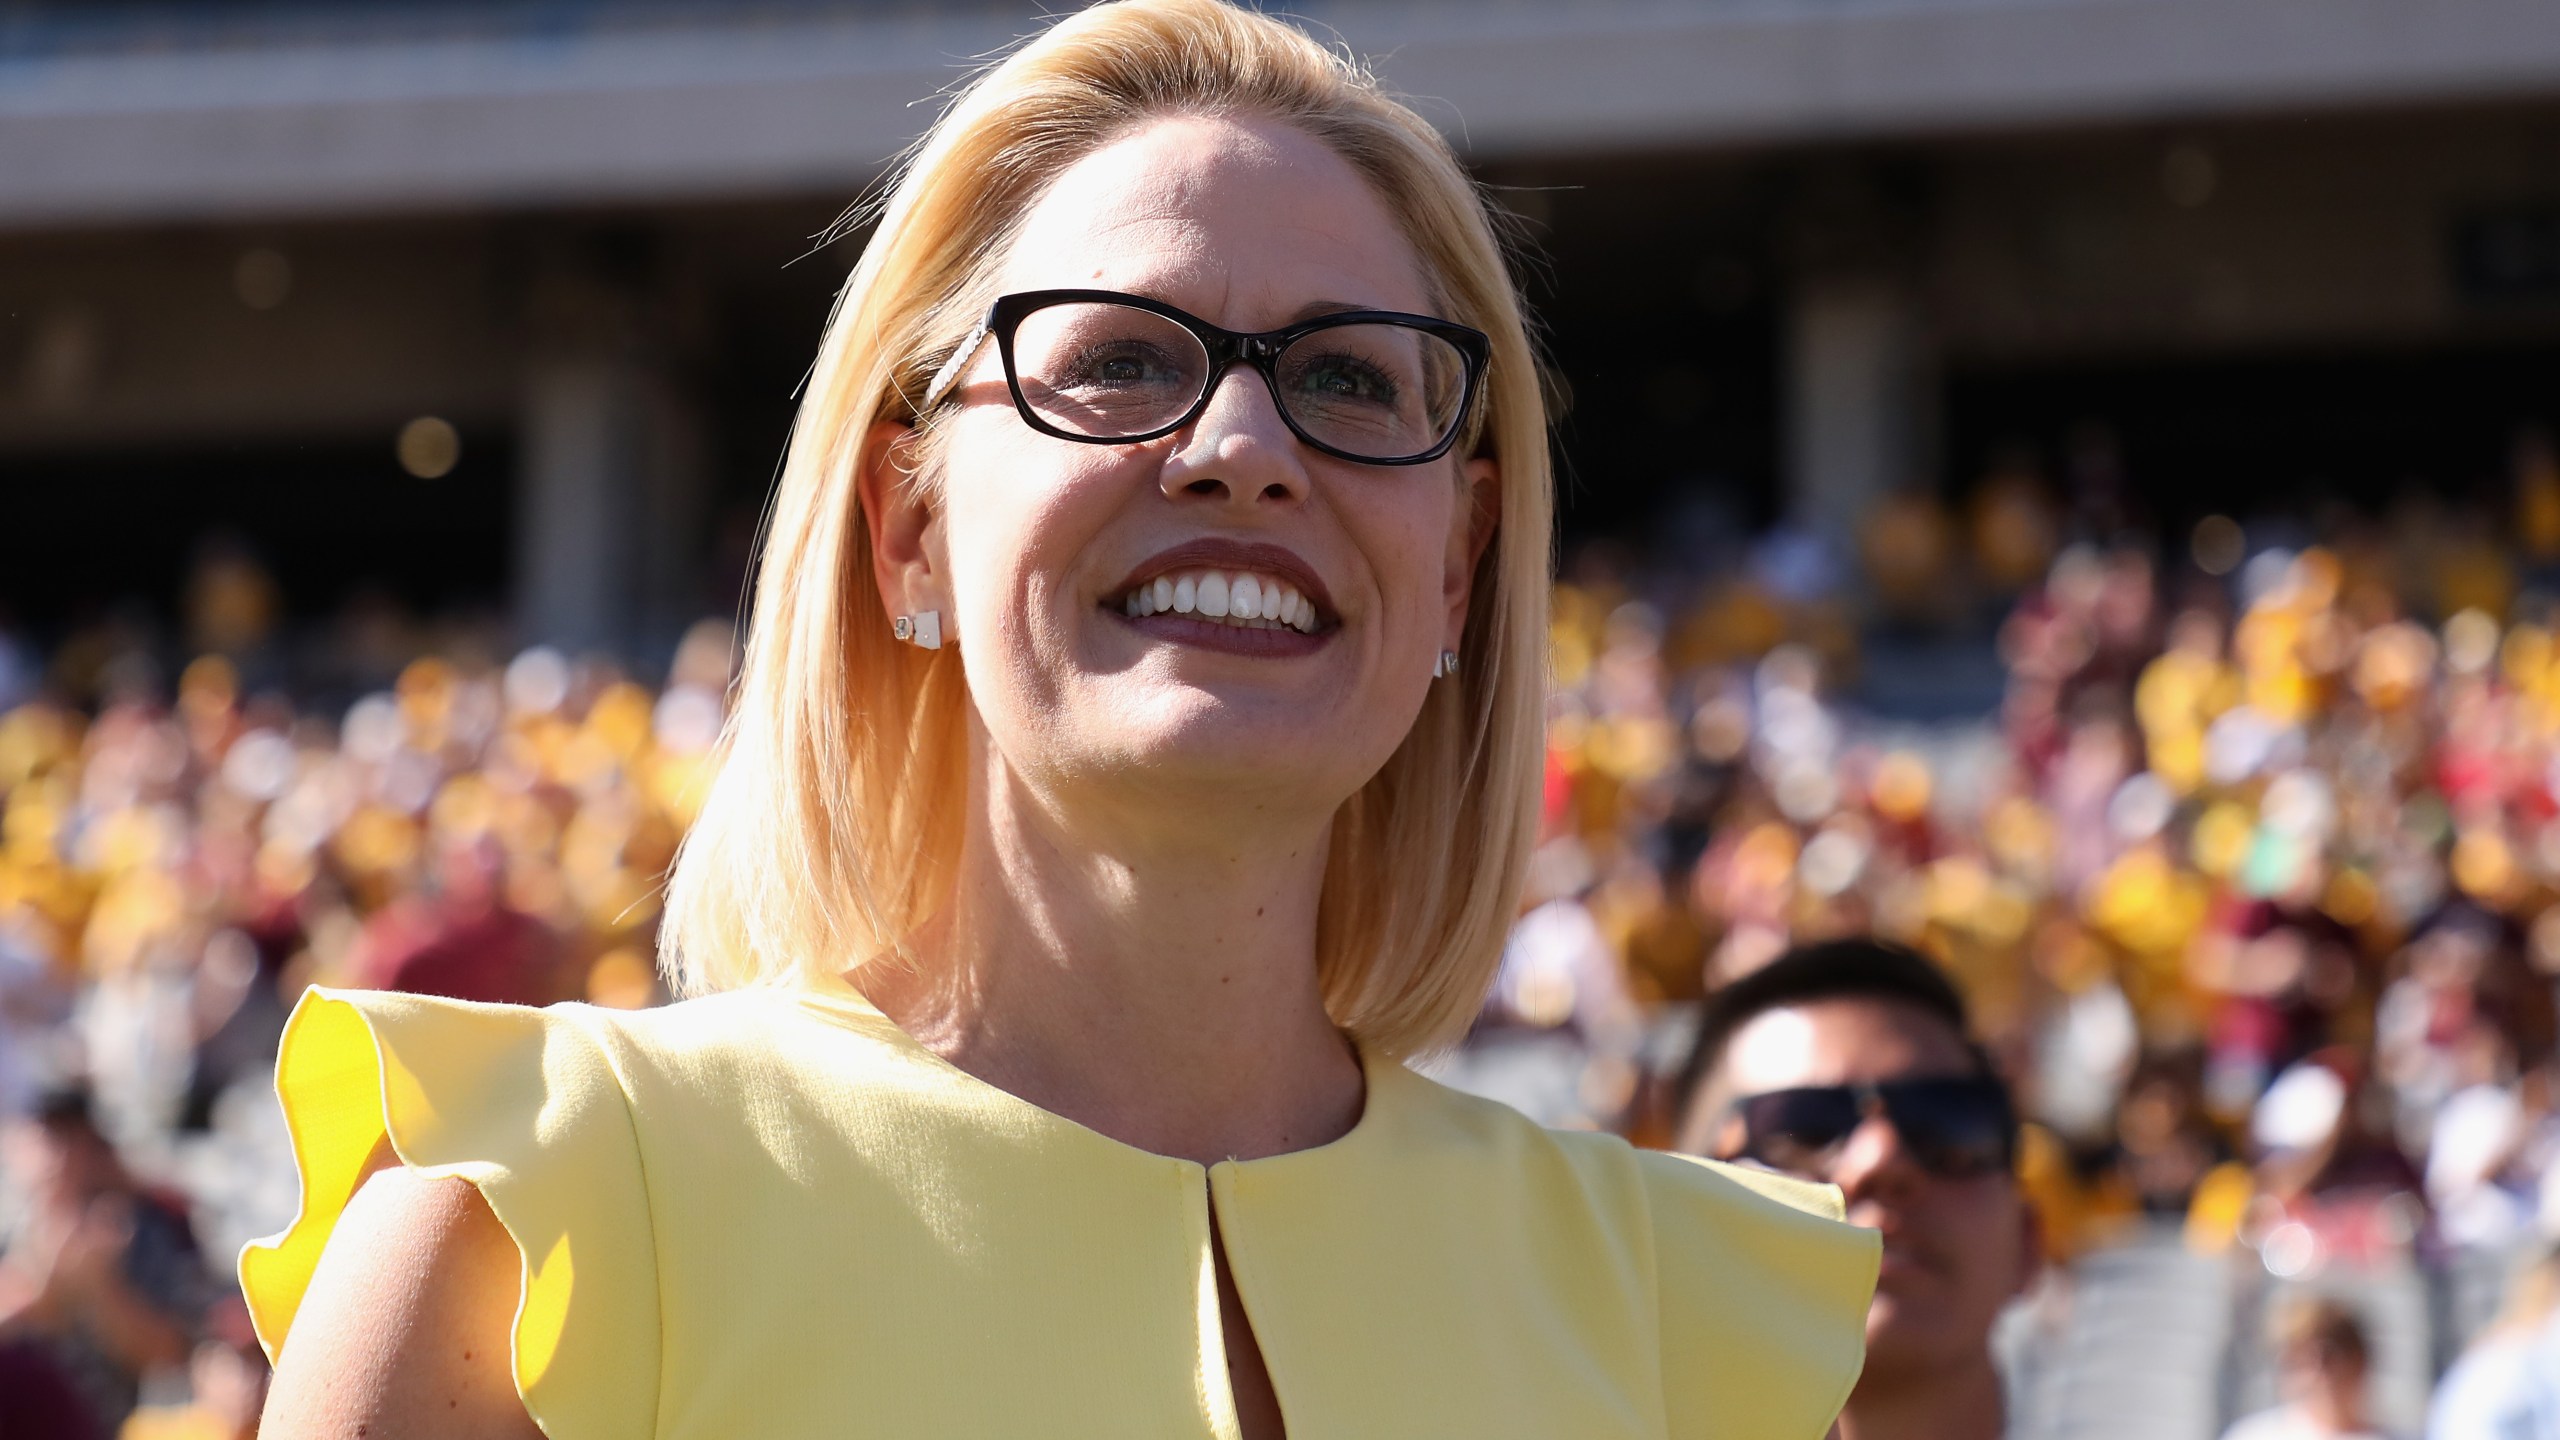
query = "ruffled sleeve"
{"x": 1764, "y": 1300}
{"x": 524, "y": 1104}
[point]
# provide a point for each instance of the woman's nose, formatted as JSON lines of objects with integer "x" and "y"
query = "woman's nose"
{"x": 1239, "y": 447}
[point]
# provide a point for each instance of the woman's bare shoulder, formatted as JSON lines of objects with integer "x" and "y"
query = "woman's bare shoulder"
{"x": 404, "y": 1333}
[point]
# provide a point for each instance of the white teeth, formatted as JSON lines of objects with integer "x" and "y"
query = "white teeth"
{"x": 1245, "y": 600}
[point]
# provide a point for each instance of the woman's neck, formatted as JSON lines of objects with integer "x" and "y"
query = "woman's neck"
{"x": 1151, "y": 982}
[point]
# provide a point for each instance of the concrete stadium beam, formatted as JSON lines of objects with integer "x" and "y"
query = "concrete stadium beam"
{"x": 704, "y": 107}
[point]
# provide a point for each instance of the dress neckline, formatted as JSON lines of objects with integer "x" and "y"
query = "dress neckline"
{"x": 833, "y": 992}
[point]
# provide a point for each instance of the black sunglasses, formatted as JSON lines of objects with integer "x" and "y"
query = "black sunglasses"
{"x": 1379, "y": 387}
{"x": 1956, "y": 1128}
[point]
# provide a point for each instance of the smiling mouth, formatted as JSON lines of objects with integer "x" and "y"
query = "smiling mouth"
{"x": 1237, "y": 599}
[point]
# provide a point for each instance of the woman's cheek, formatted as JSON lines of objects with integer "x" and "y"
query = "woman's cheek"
{"x": 1419, "y": 563}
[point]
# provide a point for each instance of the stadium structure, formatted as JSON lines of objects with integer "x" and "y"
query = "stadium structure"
{"x": 502, "y": 303}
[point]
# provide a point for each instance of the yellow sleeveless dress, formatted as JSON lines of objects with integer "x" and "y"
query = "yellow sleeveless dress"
{"x": 774, "y": 1215}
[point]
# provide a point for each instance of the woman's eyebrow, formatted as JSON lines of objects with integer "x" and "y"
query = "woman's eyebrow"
{"x": 1314, "y": 308}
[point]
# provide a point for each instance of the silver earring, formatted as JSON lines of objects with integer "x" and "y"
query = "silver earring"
{"x": 922, "y": 629}
{"x": 1447, "y": 664}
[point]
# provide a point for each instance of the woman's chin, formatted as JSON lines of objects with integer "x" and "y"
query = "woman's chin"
{"x": 1229, "y": 748}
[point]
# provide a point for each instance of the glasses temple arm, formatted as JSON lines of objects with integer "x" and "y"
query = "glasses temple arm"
{"x": 949, "y": 374}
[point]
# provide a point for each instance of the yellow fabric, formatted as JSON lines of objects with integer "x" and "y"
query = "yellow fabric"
{"x": 525, "y": 1105}
{"x": 776, "y": 1215}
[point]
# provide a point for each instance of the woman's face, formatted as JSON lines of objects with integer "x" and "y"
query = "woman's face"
{"x": 1034, "y": 543}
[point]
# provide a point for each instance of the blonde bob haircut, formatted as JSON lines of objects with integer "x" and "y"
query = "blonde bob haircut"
{"x": 833, "y": 830}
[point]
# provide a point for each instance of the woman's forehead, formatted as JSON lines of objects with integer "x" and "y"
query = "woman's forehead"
{"x": 1247, "y": 223}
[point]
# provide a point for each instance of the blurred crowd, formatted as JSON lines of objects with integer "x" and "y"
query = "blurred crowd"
{"x": 2252, "y": 882}
{"x": 2253, "y": 891}
{"x": 2239, "y": 817}
{"x": 174, "y": 872}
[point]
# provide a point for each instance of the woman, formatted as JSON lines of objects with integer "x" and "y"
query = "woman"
{"x": 1134, "y": 763}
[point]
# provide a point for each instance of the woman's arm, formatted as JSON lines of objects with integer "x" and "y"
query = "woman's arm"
{"x": 403, "y": 1334}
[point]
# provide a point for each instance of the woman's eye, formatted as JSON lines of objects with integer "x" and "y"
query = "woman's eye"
{"x": 1120, "y": 365}
{"x": 1346, "y": 377}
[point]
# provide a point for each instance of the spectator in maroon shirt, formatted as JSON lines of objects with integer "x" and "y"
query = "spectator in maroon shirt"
{"x": 462, "y": 940}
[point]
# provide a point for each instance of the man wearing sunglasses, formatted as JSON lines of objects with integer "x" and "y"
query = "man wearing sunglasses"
{"x": 1850, "y": 1063}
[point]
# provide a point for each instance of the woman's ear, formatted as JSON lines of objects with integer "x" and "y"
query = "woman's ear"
{"x": 1471, "y": 529}
{"x": 904, "y": 548}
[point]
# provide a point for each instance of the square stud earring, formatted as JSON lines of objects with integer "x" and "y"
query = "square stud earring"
{"x": 922, "y": 629}
{"x": 1446, "y": 665}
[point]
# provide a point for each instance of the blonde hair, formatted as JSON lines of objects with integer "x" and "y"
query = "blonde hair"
{"x": 833, "y": 830}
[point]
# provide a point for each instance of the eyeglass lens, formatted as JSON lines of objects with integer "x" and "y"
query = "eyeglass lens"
{"x": 1376, "y": 390}
{"x": 1953, "y": 1127}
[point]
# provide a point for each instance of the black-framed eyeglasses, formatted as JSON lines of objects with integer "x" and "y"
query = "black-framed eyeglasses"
{"x": 1956, "y": 1127}
{"x": 1379, "y": 387}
